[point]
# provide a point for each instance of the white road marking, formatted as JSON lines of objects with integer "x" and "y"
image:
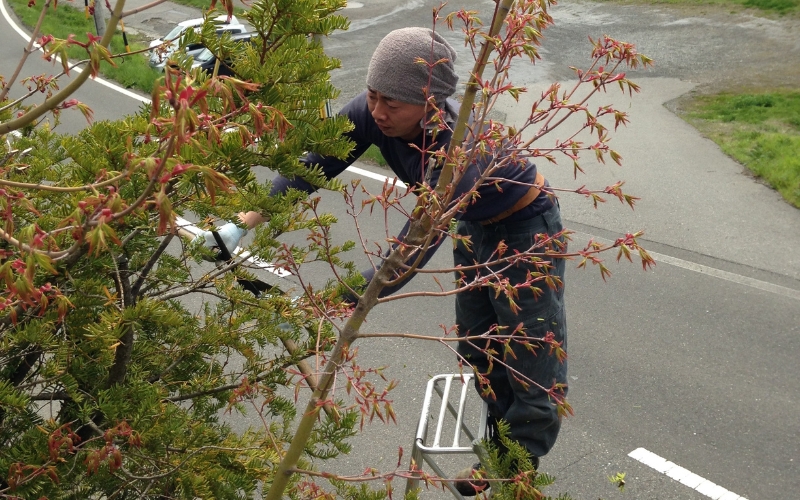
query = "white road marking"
{"x": 716, "y": 273}
{"x": 377, "y": 177}
{"x": 683, "y": 476}
{"x": 725, "y": 275}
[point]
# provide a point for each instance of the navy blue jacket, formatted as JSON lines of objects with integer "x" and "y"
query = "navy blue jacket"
{"x": 408, "y": 165}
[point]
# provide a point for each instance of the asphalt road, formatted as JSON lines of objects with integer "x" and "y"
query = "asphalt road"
{"x": 694, "y": 361}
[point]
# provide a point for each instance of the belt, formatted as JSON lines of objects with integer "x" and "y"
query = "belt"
{"x": 521, "y": 203}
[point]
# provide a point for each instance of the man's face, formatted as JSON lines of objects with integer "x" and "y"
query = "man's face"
{"x": 395, "y": 118}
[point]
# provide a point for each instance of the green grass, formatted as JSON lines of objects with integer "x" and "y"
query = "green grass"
{"x": 760, "y": 130}
{"x": 132, "y": 71}
{"x": 373, "y": 155}
{"x": 204, "y": 5}
{"x": 780, "y": 7}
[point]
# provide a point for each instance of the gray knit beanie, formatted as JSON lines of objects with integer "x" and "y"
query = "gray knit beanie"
{"x": 394, "y": 72}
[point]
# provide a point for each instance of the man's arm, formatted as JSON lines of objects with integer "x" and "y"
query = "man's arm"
{"x": 389, "y": 290}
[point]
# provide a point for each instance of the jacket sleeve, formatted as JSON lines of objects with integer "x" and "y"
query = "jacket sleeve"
{"x": 389, "y": 290}
{"x": 330, "y": 165}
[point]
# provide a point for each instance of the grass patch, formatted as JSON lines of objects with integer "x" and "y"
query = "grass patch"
{"x": 373, "y": 155}
{"x": 132, "y": 71}
{"x": 780, "y": 7}
{"x": 759, "y": 130}
{"x": 203, "y": 6}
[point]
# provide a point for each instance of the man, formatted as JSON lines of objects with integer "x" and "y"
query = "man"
{"x": 393, "y": 115}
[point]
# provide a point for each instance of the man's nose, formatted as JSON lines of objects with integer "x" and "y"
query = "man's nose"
{"x": 379, "y": 111}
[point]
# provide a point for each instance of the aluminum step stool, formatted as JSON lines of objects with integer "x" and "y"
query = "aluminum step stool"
{"x": 443, "y": 413}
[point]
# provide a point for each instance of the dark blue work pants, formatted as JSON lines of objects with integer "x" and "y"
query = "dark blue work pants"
{"x": 532, "y": 416}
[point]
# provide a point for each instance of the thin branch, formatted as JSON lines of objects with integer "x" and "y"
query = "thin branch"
{"x": 28, "y": 51}
{"x": 124, "y": 350}
{"x": 51, "y": 396}
{"x": 74, "y": 84}
{"x": 58, "y": 189}
{"x": 145, "y": 271}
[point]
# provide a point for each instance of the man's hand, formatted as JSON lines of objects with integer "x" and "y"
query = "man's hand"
{"x": 252, "y": 219}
